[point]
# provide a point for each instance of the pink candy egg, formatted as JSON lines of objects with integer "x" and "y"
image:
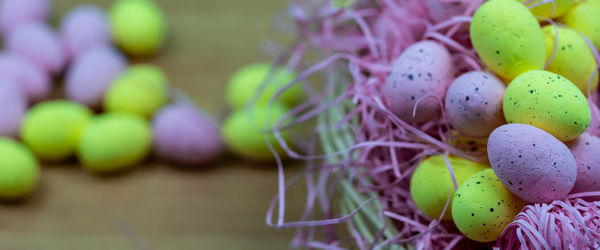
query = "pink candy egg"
{"x": 14, "y": 13}
{"x": 184, "y": 135}
{"x": 90, "y": 75}
{"x": 474, "y": 103}
{"x": 84, "y": 28}
{"x": 33, "y": 81}
{"x": 13, "y": 106}
{"x": 531, "y": 163}
{"x": 38, "y": 43}
{"x": 423, "y": 69}
{"x": 586, "y": 150}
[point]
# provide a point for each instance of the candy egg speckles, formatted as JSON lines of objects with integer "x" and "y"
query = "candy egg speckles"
{"x": 482, "y": 207}
{"x": 423, "y": 69}
{"x": 38, "y": 43}
{"x": 13, "y": 107}
{"x": 84, "y": 28}
{"x": 33, "y": 81}
{"x": 583, "y": 17}
{"x": 585, "y": 150}
{"x": 547, "y": 101}
{"x": 14, "y": 13}
{"x": 474, "y": 103}
{"x": 510, "y": 41}
{"x": 532, "y": 163}
{"x": 550, "y": 9}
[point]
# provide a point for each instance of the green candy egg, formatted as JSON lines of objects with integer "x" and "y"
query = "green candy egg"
{"x": 52, "y": 129}
{"x": 547, "y": 101}
{"x": 583, "y": 17}
{"x": 246, "y": 81}
{"x": 244, "y": 135}
{"x": 482, "y": 207}
{"x": 508, "y": 38}
{"x": 431, "y": 182}
{"x": 545, "y": 10}
{"x": 138, "y": 26}
{"x": 19, "y": 171}
{"x": 573, "y": 58}
{"x": 141, "y": 90}
{"x": 114, "y": 141}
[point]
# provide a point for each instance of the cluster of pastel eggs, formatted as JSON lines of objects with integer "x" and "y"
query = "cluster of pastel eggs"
{"x": 534, "y": 117}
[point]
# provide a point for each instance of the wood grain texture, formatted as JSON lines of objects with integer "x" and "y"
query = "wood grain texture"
{"x": 156, "y": 206}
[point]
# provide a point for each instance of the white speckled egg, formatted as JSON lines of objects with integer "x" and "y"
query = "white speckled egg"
{"x": 423, "y": 69}
{"x": 586, "y": 150}
{"x": 474, "y": 103}
{"x": 84, "y": 28}
{"x": 532, "y": 163}
{"x": 13, "y": 105}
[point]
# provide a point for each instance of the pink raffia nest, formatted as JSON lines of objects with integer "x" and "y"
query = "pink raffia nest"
{"x": 369, "y": 154}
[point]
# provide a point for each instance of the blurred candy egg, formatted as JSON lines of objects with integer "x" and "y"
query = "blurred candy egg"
{"x": 114, "y": 141}
{"x": 474, "y": 103}
{"x": 550, "y": 9}
{"x": 52, "y": 129}
{"x": 482, "y": 207}
{"x": 19, "y": 171}
{"x": 84, "y": 28}
{"x": 92, "y": 73}
{"x": 547, "y": 101}
{"x": 184, "y": 135}
{"x": 423, "y": 69}
{"x": 532, "y": 163}
{"x": 14, "y": 13}
{"x": 573, "y": 58}
{"x": 13, "y": 106}
{"x": 431, "y": 184}
{"x": 509, "y": 41}
{"x": 138, "y": 26}
{"x": 33, "y": 81}
{"x": 442, "y": 10}
{"x": 583, "y": 17}
{"x": 38, "y": 43}
{"x": 586, "y": 150}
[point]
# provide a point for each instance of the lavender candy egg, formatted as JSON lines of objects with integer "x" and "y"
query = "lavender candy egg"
{"x": 423, "y": 69}
{"x": 13, "y": 107}
{"x": 14, "y": 13}
{"x": 474, "y": 103}
{"x": 532, "y": 163}
{"x": 33, "y": 81}
{"x": 184, "y": 135}
{"x": 586, "y": 150}
{"x": 84, "y": 28}
{"x": 38, "y": 43}
{"x": 92, "y": 73}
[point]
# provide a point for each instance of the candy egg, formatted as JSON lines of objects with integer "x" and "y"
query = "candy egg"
{"x": 52, "y": 129}
{"x": 184, "y": 135}
{"x": 550, "y": 9}
{"x": 474, "y": 103}
{"x": 548, "y": 101}
{"x": 594, "y": 128}
{"x": 431, "y": 184}
{"x": 138, "y": 26}
{"x": 441, "y": 10}
{"x": 585, "y": 150}
{"x": 14, "y": 13}
{"x": 583, "y": 17}
{"x": 482, "y": 207}
{"x": 532, "y": 163}
{"x": 33, "y": 81}
{"x": 84, "y": 28}
{"x": 13, "y": 107}
{"x": 92, "y": 73}
{"x": 423, "y": 69}
{"x": 244, "y": 131}
{"x": 19, "y": 171}
{"x": 141, "y": 89}
{"x": 510, "y": 41}
{"x": 573, "y": 58}
{"x": 248, "y": 80}
{"x": 114, "y": 141}
{"x": 38, "y": 43}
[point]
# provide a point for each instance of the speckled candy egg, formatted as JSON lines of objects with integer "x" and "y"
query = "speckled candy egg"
{"x": 474, "y": 103}
{"x": 33, "y": 81}
{"x": 550, "y": 9}
{"x": 482, "y": 207}
{"x": 13, "y": 107}
{"x": 92, "y": 73}
{"x": 38, "y": 43}
{"x": 583, "y": 17}
{"x": 423, "y": 69}
{"x": 547, "y": 101}
{"x": 84, "y": 28}
{"x": 14, "y": 13}
{"x": 532, "y": 163}
{"x": 586, "y": 150}
{"x": 184, "y": 135}
{"x": 441, "y": 10}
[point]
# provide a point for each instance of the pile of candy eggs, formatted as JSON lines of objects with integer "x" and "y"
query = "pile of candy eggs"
{"x": 531, "y": 106}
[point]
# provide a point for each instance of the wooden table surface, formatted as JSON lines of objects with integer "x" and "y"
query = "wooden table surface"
{"x": 157, "y": 206}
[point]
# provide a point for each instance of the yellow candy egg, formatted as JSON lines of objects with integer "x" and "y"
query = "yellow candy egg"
{"x": 138, "y": 26}
{"x": 546, "y": 9}
{"x": 584, "y": 18}
{"x": 508, "y": 38}
{"x": 482, "y": 207}
{"x": 548, "y": 101}
{"x": 573, "y": 58}
{"x": 19, "y": 171}
{"x": 431, "y": 183}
